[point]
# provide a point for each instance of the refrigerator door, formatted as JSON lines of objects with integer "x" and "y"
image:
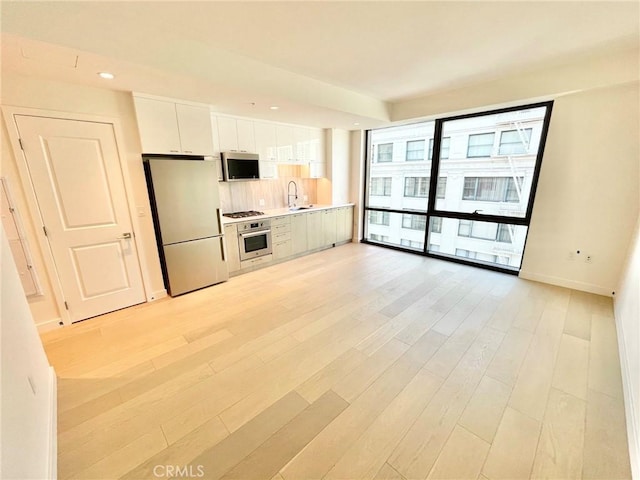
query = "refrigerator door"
{"x": 187, "y": 201}
{"x": 195, "y": 264}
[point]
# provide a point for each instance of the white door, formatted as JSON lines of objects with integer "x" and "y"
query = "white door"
{"x": 75, "y": 170}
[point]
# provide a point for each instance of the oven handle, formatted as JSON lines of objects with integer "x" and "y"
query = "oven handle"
{"x": 255, "y": 234}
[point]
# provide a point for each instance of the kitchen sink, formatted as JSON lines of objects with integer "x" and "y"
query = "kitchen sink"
{"x": 293, "y": 209}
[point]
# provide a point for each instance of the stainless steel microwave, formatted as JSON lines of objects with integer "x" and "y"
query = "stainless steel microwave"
{"x": 240, "y": 166}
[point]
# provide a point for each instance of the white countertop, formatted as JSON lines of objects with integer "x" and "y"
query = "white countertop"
{"x": 277, "y": 212}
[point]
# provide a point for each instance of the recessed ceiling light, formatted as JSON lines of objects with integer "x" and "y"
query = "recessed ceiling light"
{"x": 274, "y": 107}
{"x": 356, "y": 123}
{"x": 107, "y": 75}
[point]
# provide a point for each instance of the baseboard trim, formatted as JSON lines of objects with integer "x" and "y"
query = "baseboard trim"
{"x": 157, "y": 295}
{"x": 49, "y": 325}
{"x": 53, "y": 425}
{"x": 563, "y": 282}
{"x": 630, "y": 405}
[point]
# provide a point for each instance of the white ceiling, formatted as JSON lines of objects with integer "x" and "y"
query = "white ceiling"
{"x": 324, "y": 63}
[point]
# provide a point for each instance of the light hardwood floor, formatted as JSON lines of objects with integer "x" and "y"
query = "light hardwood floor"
{"x": 356, "y": 362}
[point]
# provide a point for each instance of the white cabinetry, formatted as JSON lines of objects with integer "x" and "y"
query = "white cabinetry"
{"x": 284, "y": 137}
{"x": 281, "y": 237}
{"x": 267, "y": 148}
{"x": 315, "y": 237}
{"x": 299, "y": 233}
{"x": 232, "y": 247}
{"x": 169, "y": 127}
{"x": 344, "y": 224}
{"x": 236, "y": 135}
{"x": 329, "y": 227}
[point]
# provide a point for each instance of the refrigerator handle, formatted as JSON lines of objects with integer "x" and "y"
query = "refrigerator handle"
{"x": 219, "y": 217}
{"x": 223, "y": 249}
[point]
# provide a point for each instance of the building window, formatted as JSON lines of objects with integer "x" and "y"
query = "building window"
{"x": 411, "y": 243}
{"x": 514, "y": 142}
{"x": 415, "y": 150}
{"x": 381, "y": 186}
{"x": 385, "y": 152}
{"x": 416, "y": 186}
{"x": 378, "y": 238}
{"x": 484, "y": 231}
{"x": 444, "y": 148}
{"x": 379, "y": 218}
{"x": 436, "y": 224}
{"x": 419, "y": 187}
{"x": 433, "y": 247}
{"x": 480, "y": 145}
{"x": 504, "y": 235}
{"x": 441, "y": 187}
{"x": 414, "y": 222}
{"x": 491, "y": 189}
{"x": 460, "y": 252}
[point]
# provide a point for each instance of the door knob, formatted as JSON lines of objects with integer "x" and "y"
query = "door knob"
{"x": 125, "y": 236}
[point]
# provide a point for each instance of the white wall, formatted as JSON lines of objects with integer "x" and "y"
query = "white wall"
{"x": 627, "y": 313}
{"x": 28, "y": 413}
{"x": 588, "y": 192}
{"x": 31, "y": 92}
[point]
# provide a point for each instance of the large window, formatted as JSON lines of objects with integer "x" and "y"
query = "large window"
{"x": 484, "y": 169}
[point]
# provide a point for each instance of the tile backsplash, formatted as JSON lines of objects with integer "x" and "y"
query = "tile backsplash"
{"x": 240, "y": 196}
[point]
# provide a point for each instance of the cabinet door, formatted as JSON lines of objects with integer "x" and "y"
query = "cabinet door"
{"x": 329, "y": 227}
{"x": 301, "y": 144}
{"x": 266, "y": 143}
{"x": 232, "y": 250}
{"x": 284, "y": 137}
{"x": 344, "y": 223}
{"x": 316, "y": 145}
{"x": 246, "y": 136}
{"x": 268, "y": 170}
{"x": 194, "y": 125}
{"x": 299, "y": 233}
{"x": 158, "y": 125}
{"x": 315, "y": 235}
{"x": 215, "y": 137}
{"x": 317, "y": 170}
{"x": 228, "y": 134}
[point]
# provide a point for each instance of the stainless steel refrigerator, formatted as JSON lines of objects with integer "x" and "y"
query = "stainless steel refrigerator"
{"x": 185, "y": 203}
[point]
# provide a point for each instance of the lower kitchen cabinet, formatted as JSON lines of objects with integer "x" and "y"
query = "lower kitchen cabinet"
{"x": 315, "y": 237}
{"x": 299, "y": 233}
{"x": 329, "y": 227}
{"x": 232, "y": 247}
{"x": 344, "y": 224}
{"x": 294, "y": 235}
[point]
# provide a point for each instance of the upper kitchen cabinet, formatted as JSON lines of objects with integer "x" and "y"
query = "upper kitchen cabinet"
{"x": 267, "y": 148}
{"x": 236, "y": 135}
{"x": 169, "y": 127}
{"x": 285, "y": 139}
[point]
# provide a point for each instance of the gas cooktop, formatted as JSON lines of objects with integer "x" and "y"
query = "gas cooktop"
{"x": 250, "y": 213}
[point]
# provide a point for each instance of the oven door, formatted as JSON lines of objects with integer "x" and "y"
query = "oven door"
{"x": 254, "y": 244}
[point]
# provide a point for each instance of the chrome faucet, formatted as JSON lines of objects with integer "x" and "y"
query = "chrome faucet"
{"x": 289, "y": 195}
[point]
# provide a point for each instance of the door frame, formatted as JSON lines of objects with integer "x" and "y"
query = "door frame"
{"x": 9, "y": 113}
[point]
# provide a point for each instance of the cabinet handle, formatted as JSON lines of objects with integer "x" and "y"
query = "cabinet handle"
{"x": 173, "y": 151}
{"x": 188, "y": 151}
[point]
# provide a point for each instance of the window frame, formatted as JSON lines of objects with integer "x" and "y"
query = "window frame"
{"x": 431, "y": 210}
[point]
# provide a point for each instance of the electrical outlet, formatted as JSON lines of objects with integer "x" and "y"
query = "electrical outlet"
{"x": 571, "y": 256}
{"x": 305, "y": 198}
{"x": 261, "y": 202}
{"x": 141, "y": 211}
{"x": 588, "y": 259}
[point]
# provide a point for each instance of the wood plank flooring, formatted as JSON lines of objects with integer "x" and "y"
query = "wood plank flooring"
{"x": 353, "y": 363}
